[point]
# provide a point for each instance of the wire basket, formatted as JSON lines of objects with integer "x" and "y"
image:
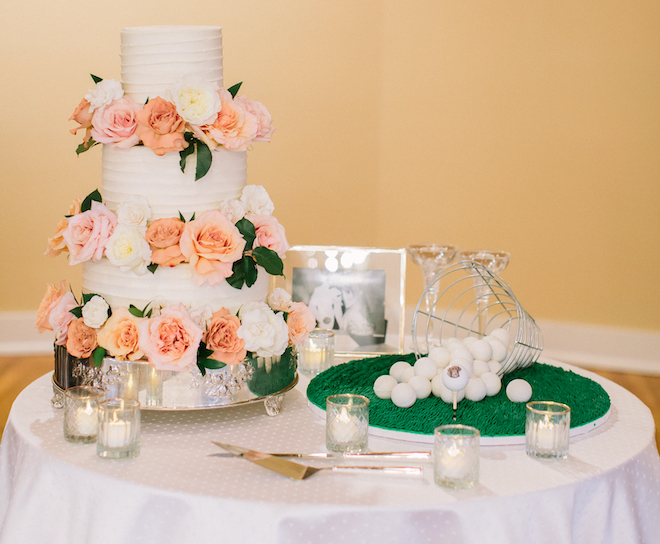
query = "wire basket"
{"x": 472, "y": 301}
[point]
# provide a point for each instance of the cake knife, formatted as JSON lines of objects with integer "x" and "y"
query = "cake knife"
{"x": 414, "y": 455}
{"x": 302, "y": 472}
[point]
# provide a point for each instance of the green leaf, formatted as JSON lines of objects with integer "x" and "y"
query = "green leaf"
{"x": 87, "y": 203}
{"x": 268, "y": 259}
{"x": 136, "y": 311}
{"x": 246, "y": 228}
{"x": 201, "y": 367}
{"x": 77, "y": 311}
{"x": 99, "y": 354}
{"x": 193, "y": 217}
{"x": 148, "y": 314}
{"x": 181, "y": 217}
{"x": 85, "y": 146}
{"x": 237, "y": 279}
{"x": 87, "y": 297}
{"x": 152, "y": 267}
{"x": 249, "y": 270}
{"x": 96, "y": 79}
{"x": 184, "y": 153}
{"x": 203, "y": 352}
{"x": 204, "y": 159}
{"x": 233, "y": 90}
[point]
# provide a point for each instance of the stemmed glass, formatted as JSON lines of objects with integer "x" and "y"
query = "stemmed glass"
{"x": 493, "y": 261}
{"x": 432, "y": 258}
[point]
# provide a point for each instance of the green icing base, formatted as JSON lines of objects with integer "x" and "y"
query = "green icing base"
{"x": 493, "y": 416}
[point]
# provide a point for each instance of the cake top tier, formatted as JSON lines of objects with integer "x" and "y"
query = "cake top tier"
{"x": 154, "y": 58}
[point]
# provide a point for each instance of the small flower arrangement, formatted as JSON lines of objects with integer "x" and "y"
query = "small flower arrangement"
{"x": 196, "y": 116}
{"x": 173, "y": 337}
{"x": 221, "y": 244}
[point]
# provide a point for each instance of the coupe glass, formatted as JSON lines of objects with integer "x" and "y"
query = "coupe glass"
{"x": 432, "y": 258}
{"x": 493, "y": 261}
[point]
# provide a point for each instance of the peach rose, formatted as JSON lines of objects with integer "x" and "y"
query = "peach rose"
{"x": 83, "y": 117}
{"x": 265, "y": 127}
{"x": 163, "y": 236}
{"x": 60, "y": 317}
{"x": 211, "y": 244}
{"x": 270, "y": 234}
{"x": 301, "y": 322}
{"x": 81, "y": 339}
{"x": 87, "y": 233}
{"x": 160, "y": 127}
{"x": 119, "y": 336}
{"x": 56, "y": 243}
{"x": 51, "y": 298}
{"x": 170, "y": 341}
{"x": 116, "y": 124}
{"x": 221, "y": 337}
{"x": 235, "y": 127}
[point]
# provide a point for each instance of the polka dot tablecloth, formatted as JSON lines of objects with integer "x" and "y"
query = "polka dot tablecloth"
{"x": 177, "y": 491}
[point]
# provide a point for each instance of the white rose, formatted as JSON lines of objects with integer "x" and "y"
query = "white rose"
{"x": 155, "y": 306}
{"x": 279, "y": 300}
{"x": 264, "y": 332}
{"x": 257, "y": 200}
{"x": 234, "y": 209}
{"x": 106, "y": 91}
{"x": 197, "y": 101}
{"x": 134, "y": 212}
{"x": 128, "y": 249}
{"x": 95, "y": 312}
{"x": 249, "y": 306}
{"x": 201, "y": 315}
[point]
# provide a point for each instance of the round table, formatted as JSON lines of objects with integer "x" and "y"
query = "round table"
{"x": 177, "y": 491}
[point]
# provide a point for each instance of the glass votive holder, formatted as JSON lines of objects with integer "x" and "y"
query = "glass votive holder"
{"x": 80, "y": 413}
{"x": 123, "y": 380}
{"x": 547, "y": 429}
{"x": 119, "y": 429}
{"x": 456, "y": 456}
{"x": 347, "y": 423}
{"x": 317, "y": 352}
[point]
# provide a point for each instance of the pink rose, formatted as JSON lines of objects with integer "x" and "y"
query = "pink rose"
{"x": 160, "y": 127}
{"x": 116, "y": 123}
{"x": 170, "y": 341}
{"x": 270, "y": 234}
{"x": 235, "y": 127}
{"x": 120, "y": 337}
{"x": 264, "y": 121}
{"x": 56, "y": 243}
{"x": 163, "y": 236}
{"x": 301, "y": 322}
{"x": 60, "y": 317}
{"x": 51, "y": 298}
{"x": 211, "y": 244}
{"x": 88, "y": 232}
{"x": 83, "y": 117}
{"x": 81, "y": 339}
{"x": 221, "y": 337}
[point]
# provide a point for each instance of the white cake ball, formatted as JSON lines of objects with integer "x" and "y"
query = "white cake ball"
{"x": 480, "y": 349}
{"x": 479, "y": 367}
{"x": 502, "y": 335}
{"x": 465, "y": 363}
{"x": 499, "y": 349}
{"x": 455, "y": 377}
{"x": 492, "y": 382}
{"x": 447, "y": 342}
{"x": 425, "y": 367}
{"x": 495, "y": 367}
{"x": 383, "y": 386}
{"x": 401, "y": 371}
{"x": 421, "y": 385}
{"x": 440, "y": 356}
{"x": 440, "y": 390}
{"x": 403, "y": 395}
{"x": 475, "y": 390}
{"x": 469, "y": 340}
{"x": 519, "y": 391}
{"x": 461, "y": 353}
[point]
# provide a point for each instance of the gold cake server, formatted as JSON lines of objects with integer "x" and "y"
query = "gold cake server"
{"x": 301, "y": 472}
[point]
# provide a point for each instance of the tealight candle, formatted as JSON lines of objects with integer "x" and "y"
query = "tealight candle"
{"x": 347, "y": 423}
{"x": 317, "y": 353}
{"x": 119, "y": 429}
{"x": 547, "y": 429}
{"x": 456, "y": 456}
{"x": 80, "y": 413}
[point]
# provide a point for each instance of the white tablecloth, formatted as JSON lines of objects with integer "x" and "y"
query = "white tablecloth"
{"x": 52, "y": 491}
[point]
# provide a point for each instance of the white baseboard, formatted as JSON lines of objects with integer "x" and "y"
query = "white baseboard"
{"x": 589, "y": 346}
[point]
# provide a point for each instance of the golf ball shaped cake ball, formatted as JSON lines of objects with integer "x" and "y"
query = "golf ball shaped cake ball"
{"x": 492, "y": 382}
{"x": 461, "y": 353}
{"x": 475, "y": 390}
{"x": 447, "y": 342}
{"x": 519, "y": 391}
{"x": 383, "y": 386}
{"x": 421, "y": 385}
{"x": 495, "y": 367}
{"x": 455, "y": 377}
{"x": 440, "y": 356}
{"x": 425, "y": 367}
{"x": 401, "y": 371}
{"x": 469, "y": 340}
{"x": 498, "y": 348}
{"x": 465, "y": 363}
{"x": 480, "y": 349}
{"x": 403, "y": 395}
{"x": 447, "y": 395}
{"x": 479, "y": 367}
{"x": 502, "y": 335}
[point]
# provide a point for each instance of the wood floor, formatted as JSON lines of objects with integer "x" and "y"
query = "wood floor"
{"x": 17, "y": 372}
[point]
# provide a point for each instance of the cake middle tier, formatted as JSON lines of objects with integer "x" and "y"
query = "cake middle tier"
{"x": 166, "y": 287}
{"x": 169, "y": 191}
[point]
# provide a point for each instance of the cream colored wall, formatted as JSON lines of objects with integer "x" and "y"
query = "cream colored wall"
{"x": 531, "y": 127}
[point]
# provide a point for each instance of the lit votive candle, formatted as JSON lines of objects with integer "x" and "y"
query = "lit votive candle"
{"x": 317, "y": 352}
{"x": 347, "y": 423}
{"x": 119, "y": 429}
{"x": 456, "y": 456}
{"x": 547, "y": 428}
{"x": 80, "y": 413}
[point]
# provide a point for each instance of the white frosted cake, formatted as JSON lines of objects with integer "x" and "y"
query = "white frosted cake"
{"x": 176, "y": 248}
